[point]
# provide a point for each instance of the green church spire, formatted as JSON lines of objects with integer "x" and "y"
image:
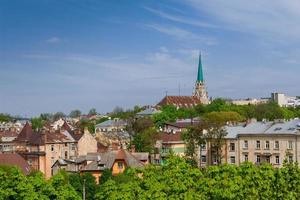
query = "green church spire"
{"x": 200, "y": 71}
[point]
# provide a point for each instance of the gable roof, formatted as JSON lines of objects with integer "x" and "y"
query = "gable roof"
{"x": 180, "y": 101}
{"x": 14, "y": 159}
{"x": 106, "y": 160}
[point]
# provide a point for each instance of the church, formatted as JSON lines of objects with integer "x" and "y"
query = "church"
{"x": 199, "y": 96}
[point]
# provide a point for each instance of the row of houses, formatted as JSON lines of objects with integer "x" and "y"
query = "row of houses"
{"x": 64, "y": 147}
{"x": 257, "y": 142}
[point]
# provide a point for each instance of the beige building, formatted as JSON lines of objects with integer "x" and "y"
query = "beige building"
{"x": 256, "y": 142}
{"x": 42, "y": 149}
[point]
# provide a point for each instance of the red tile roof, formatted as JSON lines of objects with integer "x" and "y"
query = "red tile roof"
{"x": 171, "y": 137}
{"x": 180, "y": 101}
{"x": 13, "y": 159}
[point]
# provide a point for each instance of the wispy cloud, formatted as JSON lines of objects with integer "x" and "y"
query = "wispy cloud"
{"x": 180, "y": 19}
{"x": 182, "y": 34}
{"x": 53, "y": 40}
{"x": 271, "y": 19}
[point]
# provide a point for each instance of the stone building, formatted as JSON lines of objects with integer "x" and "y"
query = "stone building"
{"x": 199, "y": 96}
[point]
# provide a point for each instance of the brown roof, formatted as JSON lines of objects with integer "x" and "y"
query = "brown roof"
{"x": 171, "y": 137}
{"x": 38, "y": 138}
{"x": 8, "y": 133}
{"x": 76, "y": 134}
{"x": 13, "y": 159}
{"x": 180, "y": 101}
{"x": 25, "y": 133}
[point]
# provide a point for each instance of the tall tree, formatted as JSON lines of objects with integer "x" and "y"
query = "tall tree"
{"x": 75, "y": 113}
{"x": 92, "y": 111}
{"x": 58, "y": 115}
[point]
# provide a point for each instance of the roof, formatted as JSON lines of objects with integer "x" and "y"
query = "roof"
{"x": 148, "y": 112}
{"x": 107, "y": 159}
{"x": 171, "y": 137}
{"x": 38, "y": 138}
{"x": 200, "y": 72}
{"x": 184, "y": 123}
{"x": 180, "y": 101}
{"x": 111, "y": 123}
{"x": 14, "y": 159}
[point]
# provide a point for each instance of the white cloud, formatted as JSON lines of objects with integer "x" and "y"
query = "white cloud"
{"x": 53, "y": 40}
{"x": 180, "y": 19}
{"x": 182, "y": 34}
{"x": 272, "y": 19}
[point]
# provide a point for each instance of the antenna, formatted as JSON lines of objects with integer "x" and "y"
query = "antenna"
{"x": 166, "y": 92}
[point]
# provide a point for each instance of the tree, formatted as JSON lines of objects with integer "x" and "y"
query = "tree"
{"x": 37, "y": 123}
{"x": 58, "y": 116}
{"x": 92, "y": 111}
{"x": 144, "y": 134}
{"x": 75, "y": 113}
{"x": 46, "y": 116}
{"x": 5, "y": 117}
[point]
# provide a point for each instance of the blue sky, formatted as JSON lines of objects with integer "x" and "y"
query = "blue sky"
{"x": 59, "y": 55}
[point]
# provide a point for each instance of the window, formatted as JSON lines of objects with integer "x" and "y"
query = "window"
{"x": 66, "y": 154}
{"x": 66, "y": 144}
{"x": 203, "y": 159}
{"x": 276, "y": 146}
{"x": 290, "y": 145}
{"x": 268, "y": 159}
{"x": 203, "y": 146}
{"x": 245, "y": 144}
{"x": 258, "y": 159}
{"x": 52, "y": 147}
{"x": 257, "y": 144}
{"x": 290, "y": 158}
{"x": 277, "y": 159}
{"x": 215, "y": 159}
{"x": 232, "y": 147}
{"x": 232, "y": 159}
{"x": 246, "y": 157}
{"x": 73, "y": 147}
{"x": 120, "y": 165}
{"x": 267, "y": 145}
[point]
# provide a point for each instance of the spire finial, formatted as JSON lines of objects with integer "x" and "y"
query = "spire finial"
{"x": 200, "y": 71}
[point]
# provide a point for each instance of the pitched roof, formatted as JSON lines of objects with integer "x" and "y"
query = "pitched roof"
{"x": 171, "y": 137}
{"x": 25, "y": 133}
{"x": 13, "y": 159}
{"x": 106, "y": 160}
{"x": 180, "y": 101}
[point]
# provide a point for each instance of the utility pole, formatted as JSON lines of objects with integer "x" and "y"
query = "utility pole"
{"x": 83, "y": 190}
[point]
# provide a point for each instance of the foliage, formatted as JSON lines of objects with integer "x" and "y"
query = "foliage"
{"x": 5, "y": 117}
{"x": 58, "y": 115}
{"x": 85, "y": 123}
{"x": 14, "y": 185}
{"x": 37, "y": 123}
{"x": 92, "y": 111}
{"x": 75, "y": 113}
{"x": 268, "y": 111}
{"x": 180, "y": 180}
{"x": 144, "y": 134}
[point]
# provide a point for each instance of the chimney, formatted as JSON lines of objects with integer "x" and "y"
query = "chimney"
{"x": 132, "y": 148}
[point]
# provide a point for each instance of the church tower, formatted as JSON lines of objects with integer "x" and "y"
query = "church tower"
{"x": 200, "y": 90}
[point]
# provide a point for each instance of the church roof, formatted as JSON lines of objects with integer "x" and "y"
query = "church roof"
{"x": 200, "y": 71}
{"x": 180, "y": 101}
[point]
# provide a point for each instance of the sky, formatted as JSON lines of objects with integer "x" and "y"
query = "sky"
{"x": 60, "y": 55}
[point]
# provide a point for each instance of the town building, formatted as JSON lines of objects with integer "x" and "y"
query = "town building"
{"x": 257, "y": 142}
{"x": 112, "y": 133}
{"x": 199, "y": 96}
{"x": 14, "y": 159}
{"x": 285, "y": 101}
{"x": 116, "y": 161}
